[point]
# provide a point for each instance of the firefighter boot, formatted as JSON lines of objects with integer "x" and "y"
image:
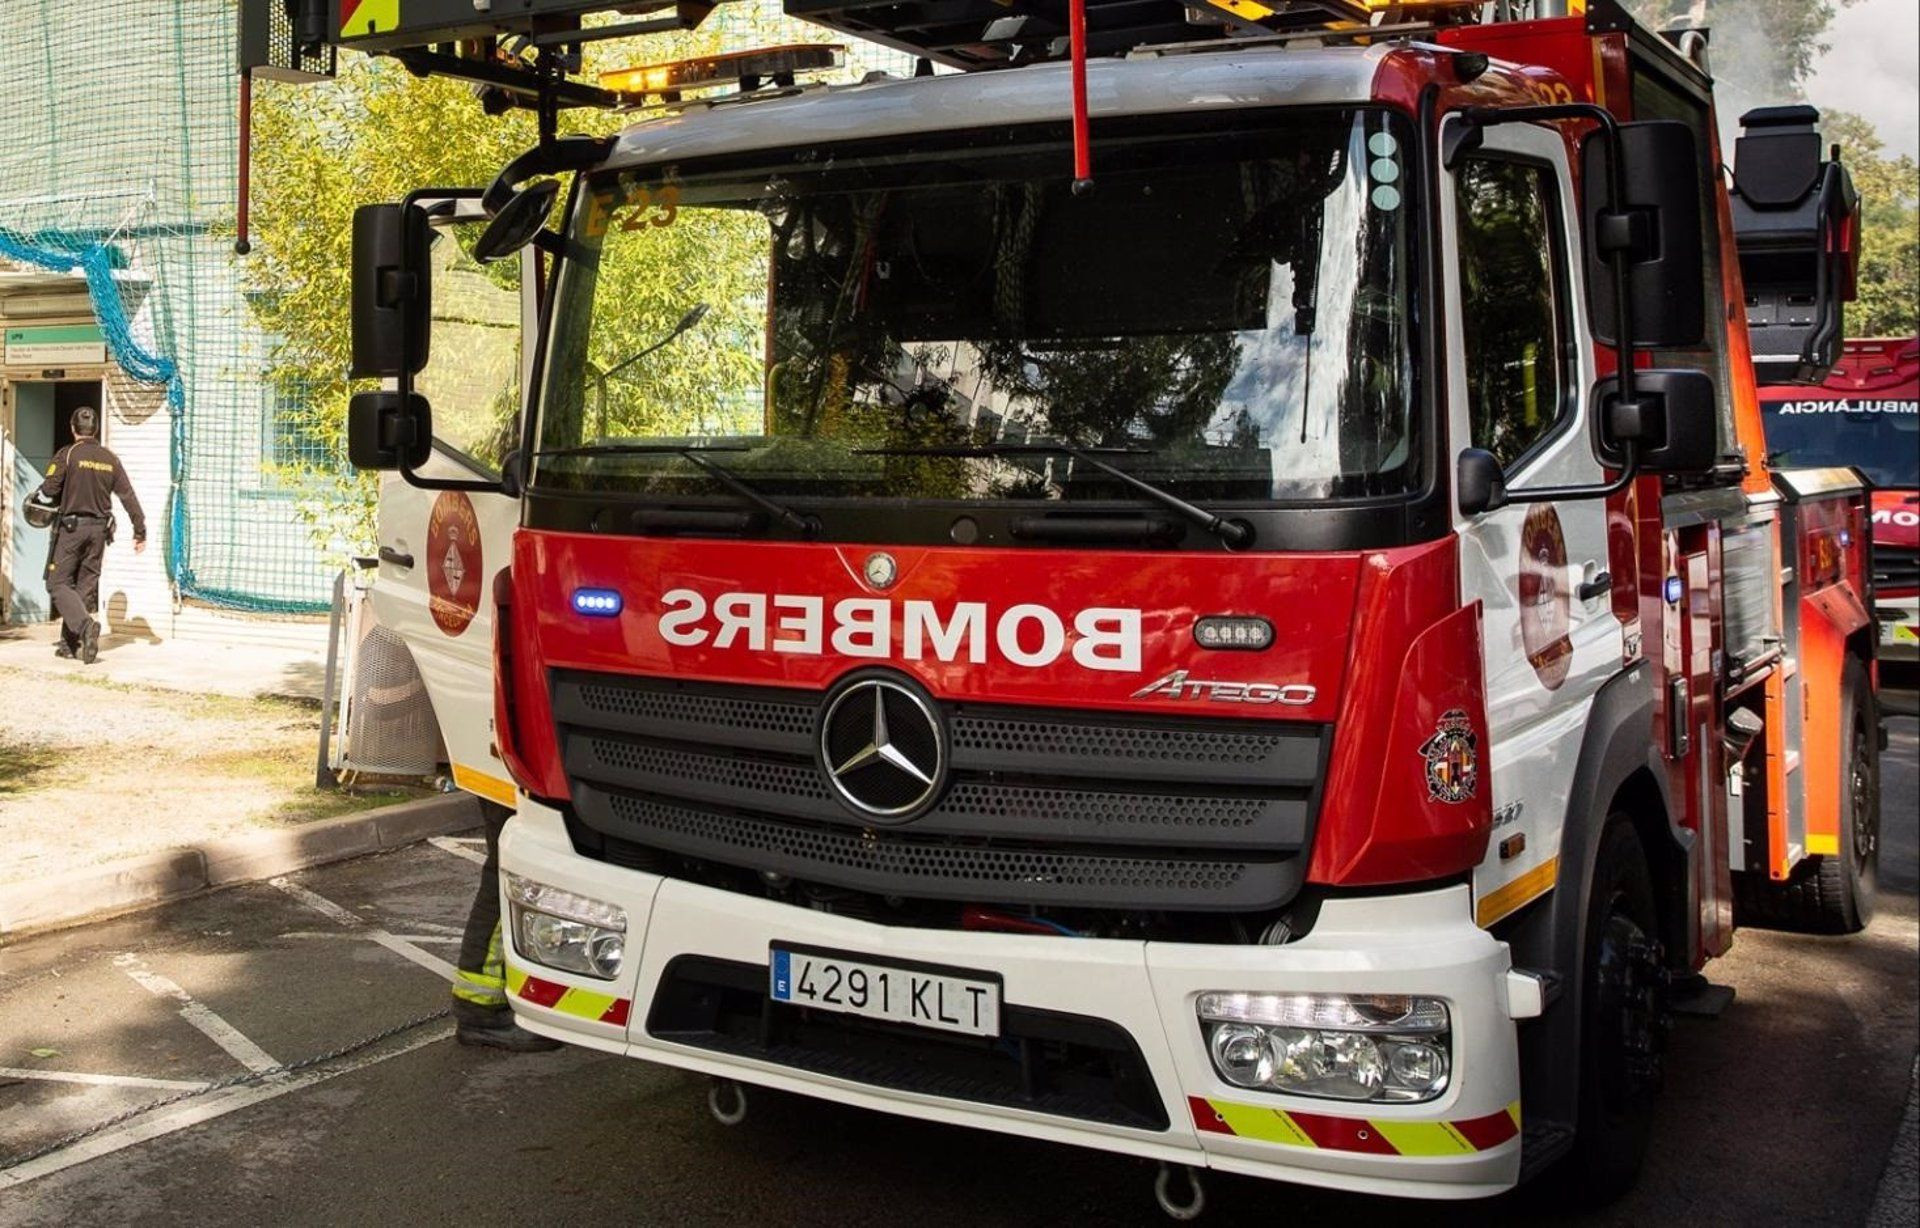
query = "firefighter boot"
{"x": 503, "y": 1033}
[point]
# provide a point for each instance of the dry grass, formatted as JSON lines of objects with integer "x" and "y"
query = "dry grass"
{"x": 91, "y": 770}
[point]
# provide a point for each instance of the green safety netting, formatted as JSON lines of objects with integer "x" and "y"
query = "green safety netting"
{"x": 120, "y": 168}
{"x": 120, "y": 165}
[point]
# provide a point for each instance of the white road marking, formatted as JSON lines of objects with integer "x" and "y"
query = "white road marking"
{"x": 216, "y": 1029}
{"x": 447, "y": 844}
{"x": 399, "y": 946}
{"x": 218, "y": 1104}
{"x": 101, "y": 1080}
{"x": 363, "y": 936}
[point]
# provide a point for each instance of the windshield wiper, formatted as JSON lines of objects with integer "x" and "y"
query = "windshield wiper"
{"x": 1232, "y": 532}
{"x": 807, "y": 526}
{"x": 693, "y": 316}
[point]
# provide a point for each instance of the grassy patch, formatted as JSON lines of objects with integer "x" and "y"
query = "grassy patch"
{"x": 21, "y": 767}
{"x": 310, "y": 804}
{"x": 288, "y": 764}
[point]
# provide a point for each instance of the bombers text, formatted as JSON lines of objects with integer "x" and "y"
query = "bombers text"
{"x": 1033, "y": 636}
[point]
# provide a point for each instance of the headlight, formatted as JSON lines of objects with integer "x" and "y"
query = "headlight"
{"x": 1377, "y": 1047}
{"x": 558, "y": 903}
{"x": 560, "y": 929}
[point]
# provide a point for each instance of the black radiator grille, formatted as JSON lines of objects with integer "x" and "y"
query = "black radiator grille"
{"x": 1042, "y": 807}
{"x": 1896, "y": 567}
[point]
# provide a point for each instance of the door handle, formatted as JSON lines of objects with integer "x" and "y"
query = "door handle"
{"x": 1599, "y": 586}
{"x": 389, "y": 555}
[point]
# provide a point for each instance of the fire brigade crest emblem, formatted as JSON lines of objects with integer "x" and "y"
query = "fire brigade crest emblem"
{"x": 454, "y": 562}
{"x": 1453, "y": 758}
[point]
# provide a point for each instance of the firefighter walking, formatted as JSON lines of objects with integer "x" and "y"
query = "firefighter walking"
{"x": 82, "y": 483}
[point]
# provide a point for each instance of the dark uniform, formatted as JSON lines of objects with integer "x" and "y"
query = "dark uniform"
{"x": 480, "y": 988}
{"x": 82, "y": 482}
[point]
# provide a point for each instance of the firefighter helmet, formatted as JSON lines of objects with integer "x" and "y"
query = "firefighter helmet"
{"x": 40, "y": 512}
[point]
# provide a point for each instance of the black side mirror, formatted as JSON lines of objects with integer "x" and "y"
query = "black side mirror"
{"x": 519, "y": 221}
{"x": 386, "y": 430}
{"x": 1670, "y": 422}
{"x": 392, "y": 291}
{"x": 1479, "y": 482}
{"x": 1657, "y": 223}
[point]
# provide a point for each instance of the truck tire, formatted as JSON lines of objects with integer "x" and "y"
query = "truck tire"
{"x": 1832, "y": 894}
{"x": 1623, "y": 1025}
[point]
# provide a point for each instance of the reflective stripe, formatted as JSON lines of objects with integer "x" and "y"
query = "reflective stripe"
{"x": 1515, "y": 895}
{"x": 485, "y": 785}
{"x": 587, "y": 1004}
{"x": 1328, "y": 1132}
{"x": 1424, "y": 1138}
{"x": 494, "y": 967}
{"x": 480, "y": 988}
{"x": 480, "y": 997}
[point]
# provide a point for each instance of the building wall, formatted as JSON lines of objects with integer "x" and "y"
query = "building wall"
{"x": 122, "y": 130}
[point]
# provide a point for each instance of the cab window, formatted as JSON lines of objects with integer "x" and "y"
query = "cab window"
{"x": 1513, "y": 304}
{"x": 472, "y": 377}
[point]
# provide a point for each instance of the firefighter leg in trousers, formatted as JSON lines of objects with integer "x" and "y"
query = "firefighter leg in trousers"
{"x": 74, "y": 571}
{"x": 480, "y": 983}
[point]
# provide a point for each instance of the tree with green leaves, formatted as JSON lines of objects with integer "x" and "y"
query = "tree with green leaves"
{"x": 1889, "y": 300}
{"x": 377, "y": 133}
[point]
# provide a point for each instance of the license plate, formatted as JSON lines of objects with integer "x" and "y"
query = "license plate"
{"x": 947, "y": 1000}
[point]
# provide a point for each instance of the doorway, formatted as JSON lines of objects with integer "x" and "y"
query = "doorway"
{"x": 41, "y": 426}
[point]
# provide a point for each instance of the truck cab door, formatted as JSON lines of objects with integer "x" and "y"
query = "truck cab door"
{"x": 1520, "y": 376}
{"x": 440, "y": 551}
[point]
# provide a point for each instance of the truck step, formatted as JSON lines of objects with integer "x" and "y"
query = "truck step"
{"x": 1695, "y": 997}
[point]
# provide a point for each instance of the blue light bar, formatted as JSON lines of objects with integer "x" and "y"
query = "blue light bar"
{"x": 596, "y": 602}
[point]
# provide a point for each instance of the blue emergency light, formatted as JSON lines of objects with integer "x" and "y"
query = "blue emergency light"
{"x": 596, "y": 602}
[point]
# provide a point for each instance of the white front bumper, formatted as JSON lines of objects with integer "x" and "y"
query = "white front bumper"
{"x": 1459, "y": 1146}
{"x": 1899, "y": 635}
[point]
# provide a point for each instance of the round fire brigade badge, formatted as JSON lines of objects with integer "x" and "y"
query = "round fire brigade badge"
{"x": 453, "y": 562}
{"x": 1453, "y": 758}
{"x": 1545, "y": 614}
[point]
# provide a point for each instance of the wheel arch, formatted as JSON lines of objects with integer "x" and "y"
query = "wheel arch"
{"x": 1618, "y": 770}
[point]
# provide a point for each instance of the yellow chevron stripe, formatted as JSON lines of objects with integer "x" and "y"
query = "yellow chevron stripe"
{"x": 515, "y": 979}
{"x": 584, "y": 1004}
{"x": 1521, "y": 891}
{"x": 1246, "y": 10}
{"x": 1423, "y": 1138}
{"x": 370, "y": 17}
{"x": 1267, "y": 1125}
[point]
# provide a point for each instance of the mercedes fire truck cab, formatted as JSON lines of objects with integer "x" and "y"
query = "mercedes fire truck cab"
{"x": 1276, "y": 647}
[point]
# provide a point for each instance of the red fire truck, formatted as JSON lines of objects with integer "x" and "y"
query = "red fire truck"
{"x": 1867, "y": 415}
{"x": 1209, "y": 587}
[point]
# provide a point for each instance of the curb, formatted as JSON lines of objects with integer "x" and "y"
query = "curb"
{"x": 98, "y": 892}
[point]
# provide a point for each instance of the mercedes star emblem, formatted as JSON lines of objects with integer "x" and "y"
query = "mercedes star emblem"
{"x": 881, "y": 571}
{"x": 882, "y": 748}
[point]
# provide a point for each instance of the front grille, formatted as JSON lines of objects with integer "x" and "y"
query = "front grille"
{"x": 1896, "y": 567}
{"x": 1042, "y": 807}
{"x": 1043, "y": 1061}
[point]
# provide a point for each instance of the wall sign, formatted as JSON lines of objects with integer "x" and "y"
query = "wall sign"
{"x": 50, "y": 345}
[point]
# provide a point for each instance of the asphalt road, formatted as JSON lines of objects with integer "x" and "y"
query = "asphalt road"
{"x": 1782, "y": 1110}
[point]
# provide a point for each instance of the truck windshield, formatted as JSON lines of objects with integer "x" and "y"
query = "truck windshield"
{"x": 1225, "y": 316}
{"x": 1877, "y": 433}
